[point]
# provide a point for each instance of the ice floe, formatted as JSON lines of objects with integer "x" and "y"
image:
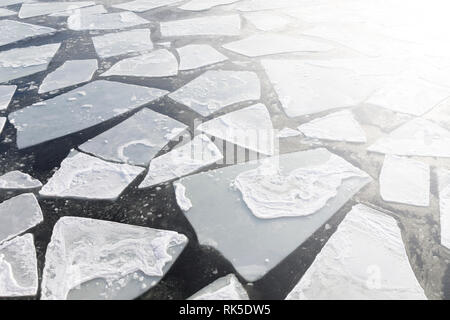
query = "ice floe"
{"x": 5, "y": 3}
{"x": 19, "y": 214}
{"x": 107, "y": 21}
{"x": 114, "y": 44}
{"x": 12, "y": 31}
{"x": 287, "y": 133}
{"x": 28, "y": 10}
{"x": 364, "y": 259}
{"x": 78, "y": 109}
{"x": 72, "y": 72}
{"x": 144, "y": 5}
{"x": 224, "y": 25}
{"x": 200, "y": 5}
{"x": 6, "y": 13}
{"x": 85, "y": 177}
{"x": 216, "y": 89}
{"x": 195, "y": 56}
{"x": 267, "y": 21}
{"x": 2, "y": 123}
{"x": 444, "y": 205}
{"x": 95, "y": 259}
{"x": 18, "y": 267}
{"x": 225, "y": 288}
{"x": 98, "y": 9}
{"x": 6, "y": 94}
{"x": 16, "y": 180}
{"x": 258, "y": 245}
{"x": 180, "y": 194}
{"x": 136, "y": 140}
{"x": 183, "y": 160}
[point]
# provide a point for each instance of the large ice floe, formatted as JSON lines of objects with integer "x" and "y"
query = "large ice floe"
{"x": 28, "y": 10}
{"x": 444, "y": 205}
{"x": 136, "y": 140}
{"x": 106, "y": 21}
{"x": 6, "y": 94}
{"x": 18, "y": 267}
{"x": 82, "y": 176}
{"x": 19, "y": 214}
{"x": 364, "y": 259}
{"x": 200, "y": 5}
{"x": 16, "y": 180}
{"x": 195, "y": 56}
{"x": 223, "y": 25}
{"x": 78, "y": 109}
{"x": 12, "y": 31}
{"x": 125, "y": 42}
{"x": 216, "y": 89}
{"x": 270, "y": 207}
{"x": 95, "y": 259}
{"x": 144, "y": 5}
{"x": 225, "y": 288}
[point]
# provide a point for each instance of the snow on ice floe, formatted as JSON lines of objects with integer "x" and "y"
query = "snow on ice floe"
{"x": 195, "y": 56}
{"x": 216, "y": 89}
{"x": 19, "y": 214}
{"x": 72, "y": 72}
{"x": 6, "y": 94}
{"x": 107, "y": 21}
{"x": 158, "y": 63}
{"x": 337, "y": 126}
{"x": 258, "y": 245}
{"x": 345, "y": 270}
{"x": 418, "y": 137}
{"x": 16, "y": 180}
{"x": 114, "y": 44}
{"x": 21, "y": 62}
{"x": 224, "y": 25}
{"x": 83, "y": 176}
{"x": 186, "y": 159}
{"x": 95, "y": 259}
{"x": 200, "y": 5}
{"x": 6, "y": 12}
{"x": 13, "y": 31}
{"x": 444, "y": 205}
{"x": 98, "y": 9}
{"x": 250, "y": 128}
{"x": 266, "y": 21}
{"x": 225, "y": 288}
{"x": 2, "y": 123}
{"x": 136, "y": 140}
{"x": 28, "y": 10}
{"x": 404, "y": 180}
{"x": 18, "y": 267}
{"x": 268, "y": 44}
{"x": 78, "y": 109}
{"x": 144, "y": 5}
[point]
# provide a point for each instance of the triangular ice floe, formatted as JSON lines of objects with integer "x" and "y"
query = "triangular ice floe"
{"x": 225, "y": 288}
{"x": 16, "y": 180}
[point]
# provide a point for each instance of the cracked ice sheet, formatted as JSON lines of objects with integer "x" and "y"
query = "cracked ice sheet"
{"x": 200, "y": 5}
{"x": 198, "y": 55}
{"x": 444, "y": 205}
{"x": 337, "y": 126}
{"x": 114, "y": 44}
{"x": 28, "y": 10}
{"x": 106, "y": 260}
{"x": 18, "y": 267}
{"x": 224, "y": 25}
{"x": 82, "y": 11}
{"x": 267, "y": 21}
{"x": 250, "y": 128}
{"x": 107, "y": 21}
{"x": 16, "y": 180}
{"x": 136, "y": 140}
{"x": 12, "y": 31}
{"x": 82, "y": 176}
{"x": 216, "y": 89}
{"x": 19, "y": 214}
{"x": 6, "y": 94}
{"x": 144, "y": 5}
{"x": 78, "y": 109}
{"x": 225, "y": 288}
{"x": 158, "y": 63}
{"x": 186, "y": 159}
{"x": 345, "y": 270}
{"x": 21, "y": 62}
{"x": 7, "y": 13}
{"x": 70, "y": 73}
{"x": 258, "y": 245}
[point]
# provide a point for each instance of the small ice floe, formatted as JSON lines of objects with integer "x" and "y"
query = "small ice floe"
{"x": 158, "y": 63}
{"x": 267, "y": 21}
{"x": 144, "y": 5}
{"x": 106, "y": 21}
{"x": 28, "y": 10}
{"x": 337, "y": 126}
{"x": 114, "y": 44}
{"x": 16, "y": 180}
{"x": 288, "y": 132}
{"x": 6, "y": 13}
{"x": 364, "y": 259}
{"x": 444, "y": 205}
{"x": 98, "y": 9}
{"x": 216, "y": 89}
{"x": 21, "y": 62}
{"x": 225, "y": 288}
{"x": 18, "y": 267}
{"x": 257, "y": 245}
{"x": 136, "y": 140}
{"x": 195, "y": 56}
{"x": 82, "y": 176}
{"x": 267, "y": 44}
{"x": 19, "y": 214}
{"x": 65, "y": 114}
{"x": 72, "y": 72}
{"x": 180, "y": 193}
{"x": 183, "y": 160}
{"x": 95, "y": 259}
{"x": 2, "y": 123}
{"x": 404, "y": 180}
{"x": 250, "y": 128}
{"x": 200, "y": 5}
{"x": 6, "y": 94}
{"x": 223, "y": 25}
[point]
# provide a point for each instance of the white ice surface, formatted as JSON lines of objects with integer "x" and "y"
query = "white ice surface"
{"x": 144, "y": 5}
{"x": 288, "y": 132}
{"x": 267, "y": 21}
{"x": 225, "y": 288}
{"x": 98, "y": 9}
{"x": 257, "y": 5}
{"x": 28, "y": 10}
{"x": 6, "y": 94}
{"x": 195, "y": 56}
{"x": 114, "y": 44}
{"x": 107, "y": 21}
{"x": 6, "y": 12}
{"x": 200, "y": 5}
{"x": 223, "y": 25}
{"x": 18, "y": 180}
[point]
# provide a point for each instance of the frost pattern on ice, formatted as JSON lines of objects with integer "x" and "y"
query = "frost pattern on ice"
{"x": 6, "y": 94}
{"x": 107, "y": 21}
{"x": 12, "y": 31}
{"x": 16, "y": 180}
{"x": 225, "y": 288}
{"x": 200, "y": 5}
{"x": 444, "y": 205}
{"x": 114, "y": 44}
{"x": 28, "y": 10}
{"x": 224, "y": 25}
{"x": 198, "y": 55}
{"x": 144, "y": 5}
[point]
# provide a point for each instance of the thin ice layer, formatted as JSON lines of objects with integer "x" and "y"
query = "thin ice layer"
{"x": 16, "y": 180}
{"x": 267, "y": 21}
{"x": 195, "y": 56}
{"x": 257, "y": 245}
{"x": 225, "y": 288}
{"x": 144, "y": 5}
{"x": 224, "y": 25}
{"x": 19, "y": 214}
{"x": 106, "y": 260}
{"x": 114, "y": 44}
{"x": 107, "y": 21}
{"x": 82, "y": 176}
{"x": 444, "y": 205}
{"x": 72, "y": 72}
{"x": 200, "y": 5}
{"x": 250, "y": 128}
{"x": 28, "y": 10}
{"x": 21, "y": 62}
{"x": 6, "y": 94}
{"x": 18, "y": 267}
{"x": 136, "y": 140}
{"x": 78, "y": 109}
{"x": 158, "y": 63}
{"x": 364, "y": 259}
{"x": 216, "y": 89}
{"x": 184, "y": 160}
